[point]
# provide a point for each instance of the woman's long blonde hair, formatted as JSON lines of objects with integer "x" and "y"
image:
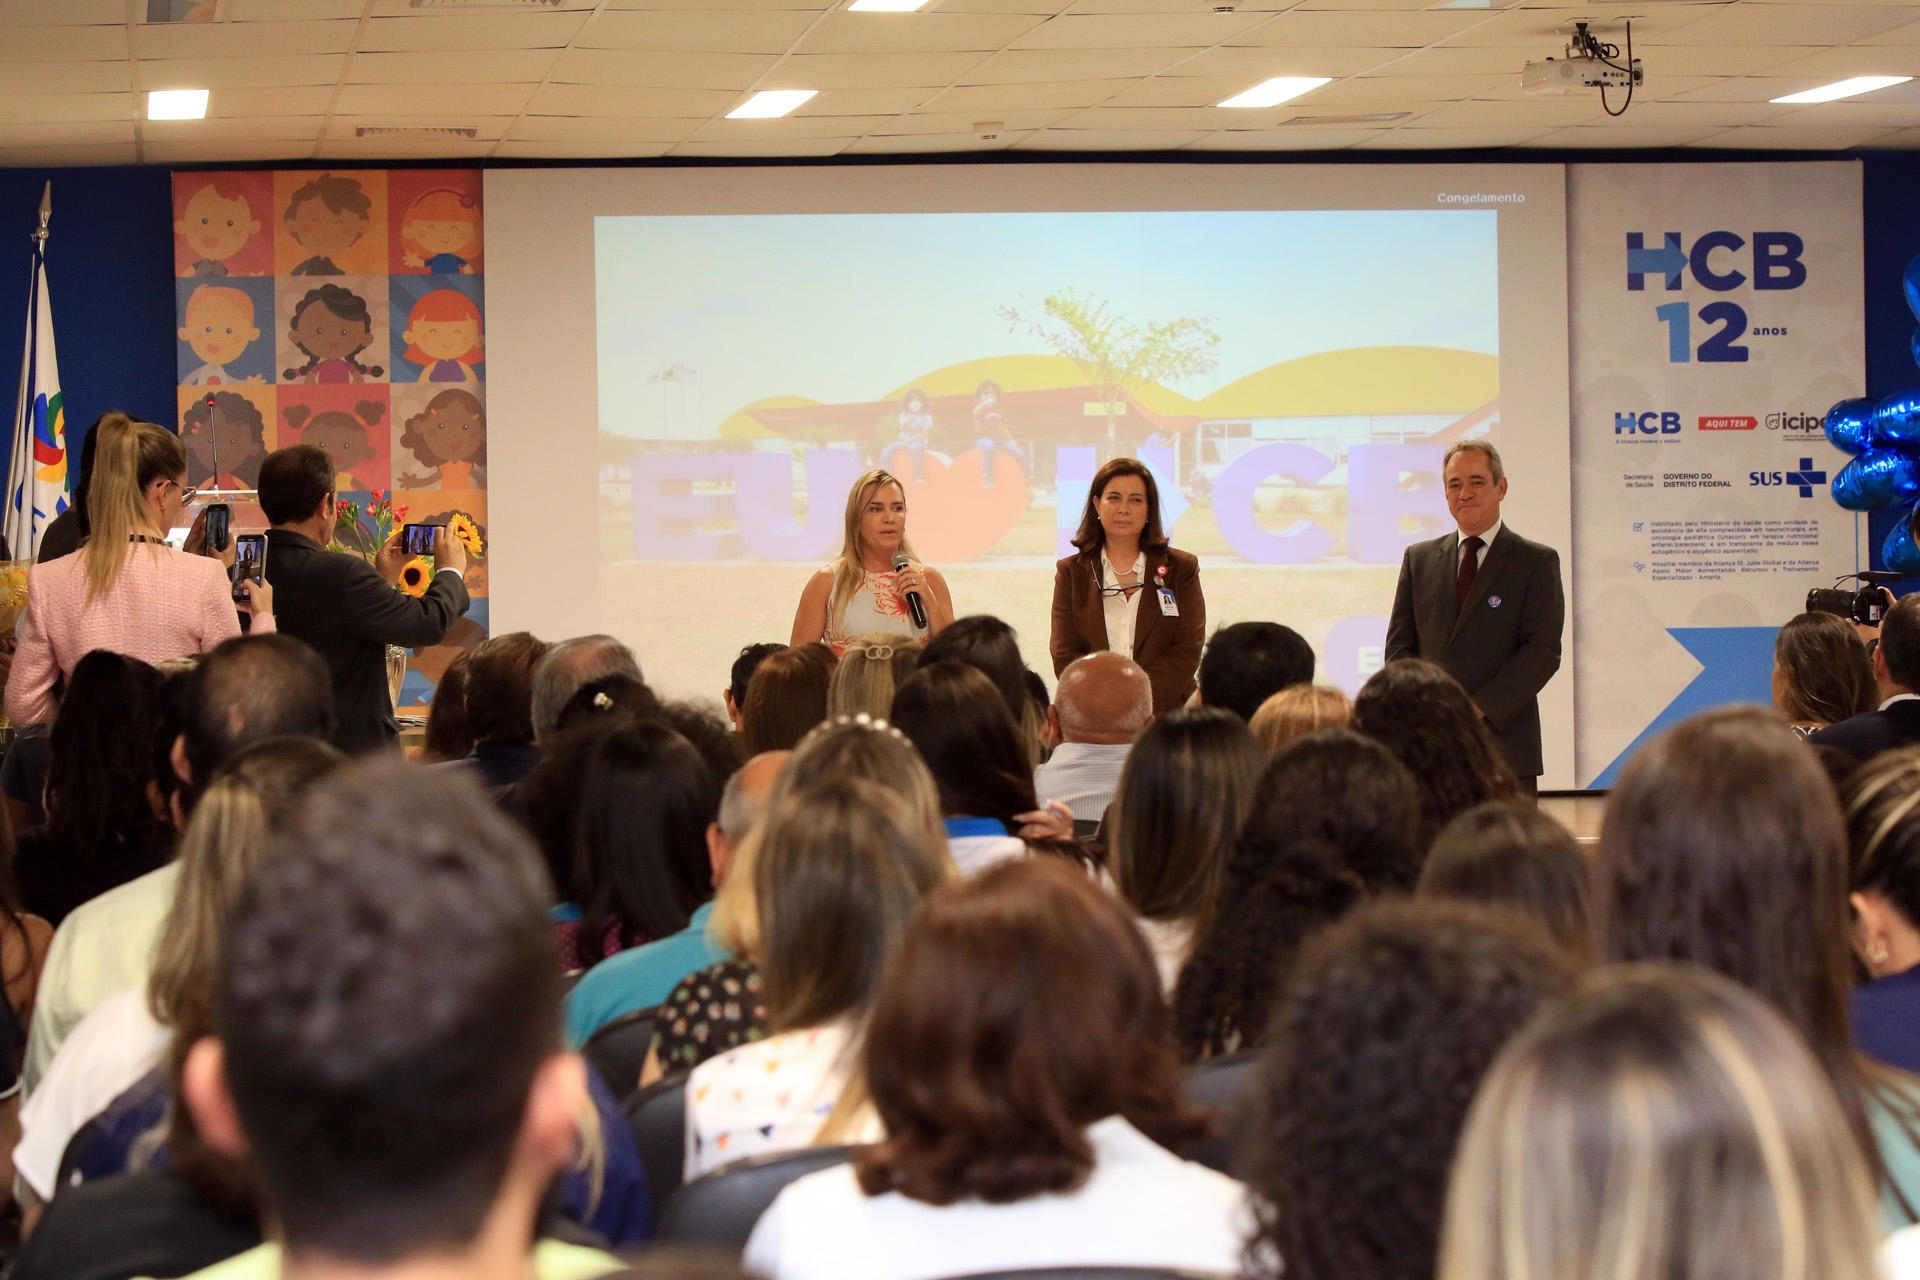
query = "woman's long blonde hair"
{"x": 844, "y": 747}
{"x": 131, "y": 455}
{"x": 848, "y": 571}
{"x": 1661, "y": 1122}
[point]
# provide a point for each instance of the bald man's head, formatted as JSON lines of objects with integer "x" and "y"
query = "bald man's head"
{"x": 740, "y": 807}
{"x": 1103, "y": 698}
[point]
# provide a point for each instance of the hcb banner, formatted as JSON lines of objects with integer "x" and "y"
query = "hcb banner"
{"x": 1716, "y": 310}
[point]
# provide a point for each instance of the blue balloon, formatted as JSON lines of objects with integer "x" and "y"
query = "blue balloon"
{"x": 1910, "y": 284}
{"x": 1900, "y": 551}
{"x": 1849, "y": 425}
{"x": 1878, "y": 478}
{"x": 1896, "y": 419}
{"x": 1913, "y": 344}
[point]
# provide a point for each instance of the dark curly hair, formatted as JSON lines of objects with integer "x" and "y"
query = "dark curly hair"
{"x": 1424, "y": 716}
{"x": 1378, "y": 1043}
{"x": 1334, "y": 819}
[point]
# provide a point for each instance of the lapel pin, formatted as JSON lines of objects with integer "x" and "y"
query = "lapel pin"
{"x": 1493, "y": 602}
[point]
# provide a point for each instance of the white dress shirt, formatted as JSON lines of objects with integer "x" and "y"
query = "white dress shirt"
{"x": 1142, "y": 1206}
{"x": 1083, "y": 776}
{"x": 1486, "y": 540}
{"x": 1121, "y": 609}
{"x": 103, "y": 1057}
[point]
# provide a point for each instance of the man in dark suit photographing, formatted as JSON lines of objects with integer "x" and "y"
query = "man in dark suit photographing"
{"x": 343, "y": 606}
{"x": 1486, "y": 604}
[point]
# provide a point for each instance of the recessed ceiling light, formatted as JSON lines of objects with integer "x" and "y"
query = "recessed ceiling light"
{"x": 1844, "y": 89}
{"x": 177, "y": 104}
{"x": 1271, "y": 93}
{"x": 770, "y": 103}
{"x": 886, "y": 6}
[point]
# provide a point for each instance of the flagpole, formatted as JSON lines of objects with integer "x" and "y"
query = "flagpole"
{"x": 22, "y": 515}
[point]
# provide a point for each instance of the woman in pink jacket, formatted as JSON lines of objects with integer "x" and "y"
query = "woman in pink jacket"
{"x": 126, "y": 589}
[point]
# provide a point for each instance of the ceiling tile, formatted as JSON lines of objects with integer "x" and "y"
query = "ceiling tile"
{"x": 1826, "y": 65}
{"x": 236, "y": 73}
{"x": 791, "y": 127}
{"x": 1909, "y": 34}
{"x": 302, "y": 100}
{"x": 1109, "y": 140}
{"x": 702, "y": 30}
{"x": 446, "y": 103}
{"x": 170, "y": 152}
{"x": 770, "y": 7}
{"x": 1170, "y": 119}
{"x": 1891, "y": 115}
{"x": 610, "y": 130}
{"x": 788, "y": 147}
{"x": 75, "y": 134}
{"x": 61, "y": 13}
{"x": 1016, "y": 97}
{"x": 1899, "y": 139}
{"x": 67, "y": 77}
{"x": 79, "y": 44}
{"x": 284, "y": 10}
{"x": 1549, "y": 111}
{"x": 1384, "y": 90}
{"x": 1796, "y": 139}
{"x": 932, "y": 31}
{"x": 1774, "y": 24}
{"x": 870, "y": 70}
{"x": 1449, "y": 139}
{"x": 524, "y": 150}
{"x": 1193, "y": 28}
{"x": 253, "y": 129}
{"x": 928, "y": 144}
{"x": 372, "y": 151}
{"x": 1178, "y": 91}
{"x": 53, "y": 108}
{"x": 66, "y": 156}
{"x": 611, "y": 100}
{"x": 1252, "y": 65}
{"x": 241, "y": 39}
{"x": 1662, "y": 61}
{"x": 446, "y": 32}
{"x": 476, "y": 67}
{"x": 1402, "y": 30}
{"x": 1541, "y": 29}
{"x": 1752, "y": 89}
{"x": 1282, "y": 140}
{"x": 866, "y": 102}
{"x": 1017, "y": 66}
{"x": 1617, "y": 135}
{"x": 661, "y": 70}
{"x": 934, "y": 122}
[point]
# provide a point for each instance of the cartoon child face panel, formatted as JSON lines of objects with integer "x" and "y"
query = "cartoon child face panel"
{"x": 326, "y": 336}
{"x": 227, "y": 435}
{"x": 441, "y": 235}
{"x": 325, "y": 231}
{"x": 214, "y": 227}
{"x": 344, "y": 438}
{"x": 451, "y": 428}
{"x": 219, "y": 323}
{"x": 444, "y": 339}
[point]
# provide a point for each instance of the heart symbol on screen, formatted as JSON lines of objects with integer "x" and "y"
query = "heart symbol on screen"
{"x": 951, "y": 517}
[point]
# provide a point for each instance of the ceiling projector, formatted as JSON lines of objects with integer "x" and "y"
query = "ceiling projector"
{"x": 1570, "y": 75}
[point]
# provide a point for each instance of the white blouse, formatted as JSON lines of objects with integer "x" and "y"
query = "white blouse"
{"x": 1142, "y": 1206}
{"x": 770, "y": 1095}
{"x": 876, "y": 606}
{"x": 1122, "y": 610}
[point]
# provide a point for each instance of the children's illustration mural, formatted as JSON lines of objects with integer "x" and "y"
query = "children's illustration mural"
{"x": 344, "y": 309}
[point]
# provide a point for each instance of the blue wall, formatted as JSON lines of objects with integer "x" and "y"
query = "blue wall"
{"x": 1892, "y": 228}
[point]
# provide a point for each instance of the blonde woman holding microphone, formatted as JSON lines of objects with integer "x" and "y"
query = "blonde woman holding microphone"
{"x": 876, "y": 584}
{"x": 126, "y": 589}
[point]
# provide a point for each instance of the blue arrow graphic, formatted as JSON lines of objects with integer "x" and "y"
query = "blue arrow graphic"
{"x": 1669, "y": 260}
{"x": 1736, "y": 666}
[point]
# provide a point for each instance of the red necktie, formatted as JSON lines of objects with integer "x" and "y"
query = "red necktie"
{"x": 1469, "y": 568}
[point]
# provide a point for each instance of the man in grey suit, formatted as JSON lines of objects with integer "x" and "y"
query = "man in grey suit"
{"x": 1486, "y": 604}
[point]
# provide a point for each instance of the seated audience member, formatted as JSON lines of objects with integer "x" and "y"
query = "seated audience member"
{"x": 741, "y": 674}
{"x": 346, "y": 607}
{"x": 1821, "y": 672}
{"x": 387, "y": 1054}
{"x": 1724, "y": 845}
{"x": 786, "y": 697}
{"x": 838, "y": 869}
{"x": 246, "y": 690}
{"x": 1382, "y": 1033}
{"x": 500, "y": 708}
{"x": 1659, "y": 1122}
{"x": 721, "y": 1006}
{"x": 103, "y": 828}
{"x": 1896, "y": 675}
{"x": 249, "y": 801}
{"x": 954, "y": 716}
{"x": 646, "y": 976}
{"x": 1248, "y": 662}
{"x": 1516, "y": 857}
{"x": 448, "y": 736}
{"x": 127, "y": 591}
{"x": 1033, "y": 723}
{"x": 989, "y": 646}
{"x": 570, "y": 664}
{"x": 1335, "y": 818}
{"x": 634, "y": 834}
{"x": 1883, "y": 828}
{"x": 1102, "y": 704}
{"x": 1424, "y": 716}
{"x": 1019, "y": 1061}
{"x": 870, "y": 669}
{"x": 1298, "y": 710}
{"x": 24, "y": 939}
{"x": 1183, "y": 795}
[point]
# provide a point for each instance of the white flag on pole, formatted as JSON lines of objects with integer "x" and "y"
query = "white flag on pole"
{"x": 37, "y": 478}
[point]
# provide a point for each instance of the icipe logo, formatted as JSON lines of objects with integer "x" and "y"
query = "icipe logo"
{"x": 1652, "y": 423}
{"x": 1795, "y": 424}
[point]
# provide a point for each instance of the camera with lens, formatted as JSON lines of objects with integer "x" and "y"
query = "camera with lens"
{"x": 1865, "y": 606}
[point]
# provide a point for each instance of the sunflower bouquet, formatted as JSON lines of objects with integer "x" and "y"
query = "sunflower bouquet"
{"x": 415, "y": 576}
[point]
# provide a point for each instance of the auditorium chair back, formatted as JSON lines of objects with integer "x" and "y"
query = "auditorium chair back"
{"x": 658, "y": 1116}
{"x": 619, "y": 1049}
{"x": 1227, "y": 1087}
{"x": 719, "y": 1210}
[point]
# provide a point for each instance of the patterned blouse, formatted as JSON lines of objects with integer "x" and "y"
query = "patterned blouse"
{"x": 712, "y": 1010}
{"x": 772, "y": 1095}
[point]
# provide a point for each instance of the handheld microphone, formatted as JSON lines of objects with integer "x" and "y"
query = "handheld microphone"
{"x": 917, "y": 609}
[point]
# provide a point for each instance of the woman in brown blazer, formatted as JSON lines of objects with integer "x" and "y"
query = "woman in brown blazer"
{"x": 1127, "y": 590}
